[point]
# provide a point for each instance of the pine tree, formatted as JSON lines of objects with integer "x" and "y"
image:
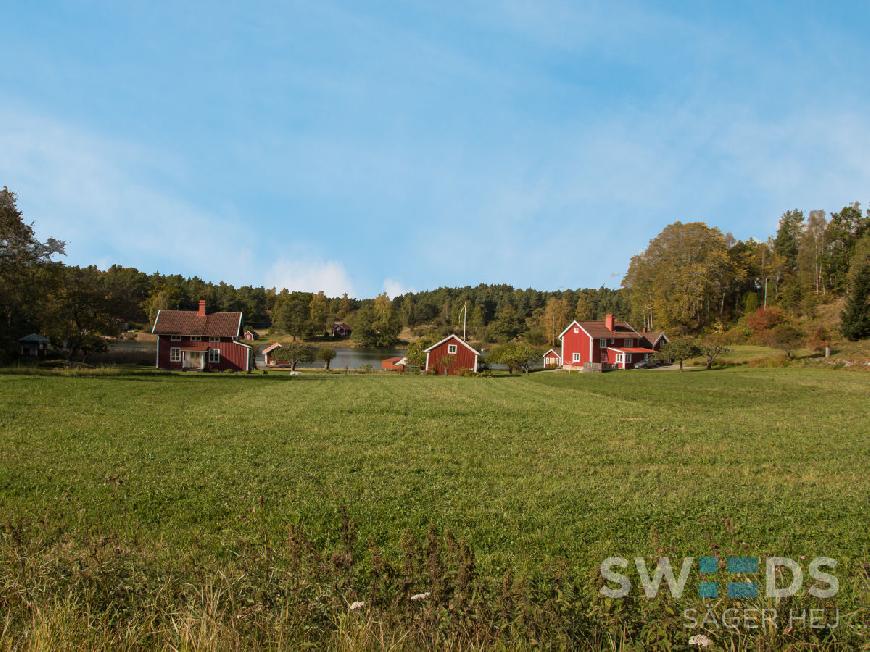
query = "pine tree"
{"x": 855, "y": 322}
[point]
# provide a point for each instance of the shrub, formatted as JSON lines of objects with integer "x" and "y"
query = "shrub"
{"x": 785, "y": 336}
{"x": 763, "y": 320}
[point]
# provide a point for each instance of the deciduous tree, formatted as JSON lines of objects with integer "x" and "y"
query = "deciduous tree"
{"x": 326, "y": 354}
{"x": 678, "y": 349}
{"x": 679, "y": 282}
{"x": 515, "y": 355}
{"x": 294, "y": 353}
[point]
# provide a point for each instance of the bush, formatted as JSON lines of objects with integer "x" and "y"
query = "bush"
{"x": 763, "y": 320}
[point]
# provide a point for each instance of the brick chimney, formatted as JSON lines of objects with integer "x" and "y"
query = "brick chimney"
{"x": 201, "y": 311}
{"x": 609, "y": 321}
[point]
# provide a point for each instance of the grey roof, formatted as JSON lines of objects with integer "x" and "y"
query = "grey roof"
{"x": 34, "y": 337}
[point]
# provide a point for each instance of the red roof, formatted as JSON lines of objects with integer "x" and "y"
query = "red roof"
{"x": 597, "y": 329}
{"x": 453, "y": 337}
{"x": 190, "y": 322}
{"x": 390, "y": 364}
{"x": 551, "y": 353}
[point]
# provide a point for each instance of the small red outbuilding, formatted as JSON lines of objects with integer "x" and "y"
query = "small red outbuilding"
{"x": 394, "y": 364}
{"x": 452, "y": 355}
{"x": 552, "y": 360}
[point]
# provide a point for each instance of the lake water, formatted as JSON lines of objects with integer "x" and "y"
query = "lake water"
{"x": 348, "y": 358}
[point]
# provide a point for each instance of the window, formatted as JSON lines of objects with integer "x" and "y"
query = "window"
{"x": 576, "y": 329}
{"x": 214, "y": 355}
{"x": 602, "y": 343}
{"x": 575, "y": 357}
{"x": 628, "y": 357}
{"x": 451, "y": 349}
{"x": 629, "y": 342}
{"x": 618, "y": 357}
{"x": 174, "y": 355}
{"x": 195, "y": 338}
{"x": 214, "y": 339}
{"x": 175, "y": 338}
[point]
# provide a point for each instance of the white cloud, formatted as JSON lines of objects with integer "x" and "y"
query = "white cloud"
{"x": 395, "y": 288}
{"x": 109, "y": 201}
{"x": 310, "y": 276}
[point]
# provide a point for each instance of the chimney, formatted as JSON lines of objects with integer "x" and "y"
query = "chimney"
{"x": 609, "y": 321}
{"x": 201, "y": 311}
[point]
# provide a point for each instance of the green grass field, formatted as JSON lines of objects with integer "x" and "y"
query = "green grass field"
{"x": 125, "y": 496}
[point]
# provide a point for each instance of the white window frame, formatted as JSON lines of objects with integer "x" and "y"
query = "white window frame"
{"x": 452, "y": 349}
{"x": 629, "y": 343}
{"x": 602, "y": 343}
{"x": 628, "y": 357}
{"x": 195, "y": 338}
{"x": 618, "y": 358}
{"x": 575, "y": 357}
{"x": 214, "y": 356}
{"x": 576, "y": 329}
{"x": 214, "y": 340}
{"x": 175, "y": 354}
{"x": 175, "y": 338}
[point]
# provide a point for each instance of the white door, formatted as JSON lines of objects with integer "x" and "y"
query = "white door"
{"x": 193, "y": 360}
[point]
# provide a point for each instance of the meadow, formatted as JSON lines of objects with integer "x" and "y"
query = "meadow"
{"x": 142, "y": 509}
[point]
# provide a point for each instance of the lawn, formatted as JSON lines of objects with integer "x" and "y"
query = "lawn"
{"x": 178, "y": 480}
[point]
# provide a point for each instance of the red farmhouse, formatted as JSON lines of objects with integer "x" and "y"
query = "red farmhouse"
{"x": 188, "y": 339}
{"x": 613, "y": 344}
{"x": 452, "y": 355}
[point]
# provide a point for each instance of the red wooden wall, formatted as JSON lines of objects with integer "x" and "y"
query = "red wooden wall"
{"x": 463, "y": 359}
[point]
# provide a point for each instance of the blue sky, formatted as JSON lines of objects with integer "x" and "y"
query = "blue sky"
{"x": 367, "y": 145}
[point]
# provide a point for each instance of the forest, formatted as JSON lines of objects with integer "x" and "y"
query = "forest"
{"x": 692, "y": 279}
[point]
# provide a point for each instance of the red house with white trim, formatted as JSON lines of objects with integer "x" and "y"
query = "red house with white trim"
{"x": 193, "y": 340}
{"x": 552, "y": 359}
{"x": 612, "y": 344}
{"x": 452, "y": 355}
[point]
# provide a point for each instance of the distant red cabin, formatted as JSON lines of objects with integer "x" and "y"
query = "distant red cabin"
{"x": 451, "y": 356}
{"x": 193, "y": 340}
{"x": 552, "y": 359}
{"x": 341, "y": 329}
{"x": 610, "y": 343}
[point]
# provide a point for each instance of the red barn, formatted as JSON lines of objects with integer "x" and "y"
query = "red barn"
{"x": 452, "y": 355}
{"x": 193, "y": 340}
{"x": 552, "y": 359}
{"x": 610, "y": 343}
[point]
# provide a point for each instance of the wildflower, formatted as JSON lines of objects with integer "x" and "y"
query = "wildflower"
{"x": 356, "y": 606}
{"x": 700, "y": 640}
{"x": 420, "y": 596}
